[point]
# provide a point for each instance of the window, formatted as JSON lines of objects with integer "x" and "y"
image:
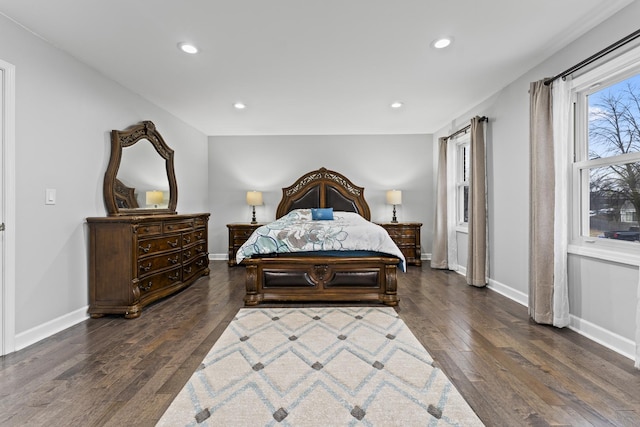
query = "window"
{"x": 462, "y": 181}
{"x": 607, "y": 155}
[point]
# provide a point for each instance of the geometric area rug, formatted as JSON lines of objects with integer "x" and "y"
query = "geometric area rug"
{"x": 318, "y": 366}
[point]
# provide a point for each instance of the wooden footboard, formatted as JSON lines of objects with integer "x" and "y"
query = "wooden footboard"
{"x": 321, "y": 279}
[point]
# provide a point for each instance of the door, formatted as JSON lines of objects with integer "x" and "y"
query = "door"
{"x": 7, "y": 208}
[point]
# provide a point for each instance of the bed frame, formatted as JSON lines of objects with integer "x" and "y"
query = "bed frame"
{"x": 294, "y": 277}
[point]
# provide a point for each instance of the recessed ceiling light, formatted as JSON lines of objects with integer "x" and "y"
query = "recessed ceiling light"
{"x": 187, "y": 48}
{"x": 396, "y": 104}
{"x": 441, "y": 43}
{"x": 239, "y": 106}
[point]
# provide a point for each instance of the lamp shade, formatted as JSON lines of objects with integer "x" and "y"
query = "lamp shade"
{"x": 154, "y": 197}
{"x": 394, "y": 197}
{"x": 254, "y": 198}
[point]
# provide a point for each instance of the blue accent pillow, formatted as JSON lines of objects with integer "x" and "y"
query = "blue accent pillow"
{"x": 321, "y": 214}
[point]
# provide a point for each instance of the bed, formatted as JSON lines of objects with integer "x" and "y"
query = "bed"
{"x": 311, "y": 276}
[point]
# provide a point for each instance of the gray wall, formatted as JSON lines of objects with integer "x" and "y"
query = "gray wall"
{"x": 602, "y": 294}
{"x": 268, "y": 163}
{"x": 64, "y": 113}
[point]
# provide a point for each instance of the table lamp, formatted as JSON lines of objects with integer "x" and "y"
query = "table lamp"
{"x": 154, "y": 198}
{"x": 394, "y": 197}
{"x": 254, "y": 198}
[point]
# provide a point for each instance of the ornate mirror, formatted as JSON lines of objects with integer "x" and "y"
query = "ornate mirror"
{"x": 140, "y": 179}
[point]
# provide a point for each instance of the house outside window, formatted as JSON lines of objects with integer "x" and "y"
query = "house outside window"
{"x": 606, "y": 169}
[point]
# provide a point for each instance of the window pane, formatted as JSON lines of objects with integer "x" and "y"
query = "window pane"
{"x": 465, "y": 163}
{"x": 614, "y": 201}
{"x": 465, "y": 204}
{"x": 614, "y": 119}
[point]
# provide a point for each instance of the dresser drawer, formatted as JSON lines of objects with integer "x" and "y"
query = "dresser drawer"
{"x": 402, "y": 233}
{"x": 194, "y": 266}
{"x": 159, "y": 281}
{"x": 403, "y": 239}
{"x": 200, "y": 235}
{"x": 200, "y": 222}
{"x": 148, "y": 247}
{"x": 175, "y": 226}
{"x": 150, "y": 265}
{"x": 194, "y": 251}
{"x": 242, "y": 234}
{"x": 193, "y": 237}
{"x": 150, "y": 229}
{"x": 188, "y": 238}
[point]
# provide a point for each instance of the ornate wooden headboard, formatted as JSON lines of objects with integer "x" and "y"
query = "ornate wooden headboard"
{"x": 324, "y": 188}
{"x": 125, "y": 196}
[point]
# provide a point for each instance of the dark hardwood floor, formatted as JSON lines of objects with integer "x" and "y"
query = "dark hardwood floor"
{"x": 114, "y": 371}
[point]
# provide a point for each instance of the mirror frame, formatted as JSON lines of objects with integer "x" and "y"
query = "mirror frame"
{"x": 125, "y": 138}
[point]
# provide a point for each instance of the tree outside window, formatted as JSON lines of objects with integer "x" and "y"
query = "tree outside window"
{"x": 614, "y": 168}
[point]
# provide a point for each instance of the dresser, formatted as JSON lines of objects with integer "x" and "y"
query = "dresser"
{"x": 406, "y": 236}
{"x": 136, "y": 260}
{"x": 239, "y": 232}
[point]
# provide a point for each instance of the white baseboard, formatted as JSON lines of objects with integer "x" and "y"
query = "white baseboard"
{"x": 604, "y": 337}
{"x": 509, "y": 292}
{"x": 219, "y": 257}
{"x": 502, "y": 289}
{"x": 612, "y": 341}
{"x": 40, "y": 332}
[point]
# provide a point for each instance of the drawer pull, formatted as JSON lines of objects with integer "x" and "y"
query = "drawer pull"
{"x": 173, "y": 260}
{"x": 145, "y": 267}
{"x": 199, "y": 248}
{"x": 174, "y": 277}
{"x": 200, "y": 263}
{"x": 172, "y": 244}
{"x": 199, "y": 236}
{"x": 147, "y": 286}
{"x": 188, "y": 270}
{"x": 170, "y": 227}
{"x": 187, "y": 239}
{"x": 187, "y": 255}
{"x": 145, "y": 249}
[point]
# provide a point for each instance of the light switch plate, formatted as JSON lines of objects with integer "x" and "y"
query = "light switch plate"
{"x": 50, "y": 196}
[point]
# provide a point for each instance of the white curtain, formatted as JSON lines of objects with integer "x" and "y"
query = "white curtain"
{"x": 561, "y": 100}
{"x": 637, "y": 364}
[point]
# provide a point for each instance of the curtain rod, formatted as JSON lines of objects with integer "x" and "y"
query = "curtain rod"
{"x": 594, "y": 57}
{"x": 466, "y": 128}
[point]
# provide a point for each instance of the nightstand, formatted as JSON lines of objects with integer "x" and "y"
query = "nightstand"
{"x": 407, "y": 236}
{"x": 239, "y": 232}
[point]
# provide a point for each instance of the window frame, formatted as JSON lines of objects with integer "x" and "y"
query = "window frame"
{"x": 462, "y": 142}
{"x": 594, "y": 80}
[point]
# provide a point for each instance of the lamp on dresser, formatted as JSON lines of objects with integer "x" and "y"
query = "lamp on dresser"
{"x": 394, "y": 197}
{"x": 154, "y": 198}
{"x": 254, "y": 198}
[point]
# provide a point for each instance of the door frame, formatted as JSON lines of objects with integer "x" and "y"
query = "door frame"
{"x": 7, "y": 208}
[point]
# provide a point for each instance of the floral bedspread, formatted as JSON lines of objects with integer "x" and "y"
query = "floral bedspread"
{"x": 297, "y": 232}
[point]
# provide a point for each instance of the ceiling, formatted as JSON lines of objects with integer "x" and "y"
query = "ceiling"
{"x": 312, "y": 67}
